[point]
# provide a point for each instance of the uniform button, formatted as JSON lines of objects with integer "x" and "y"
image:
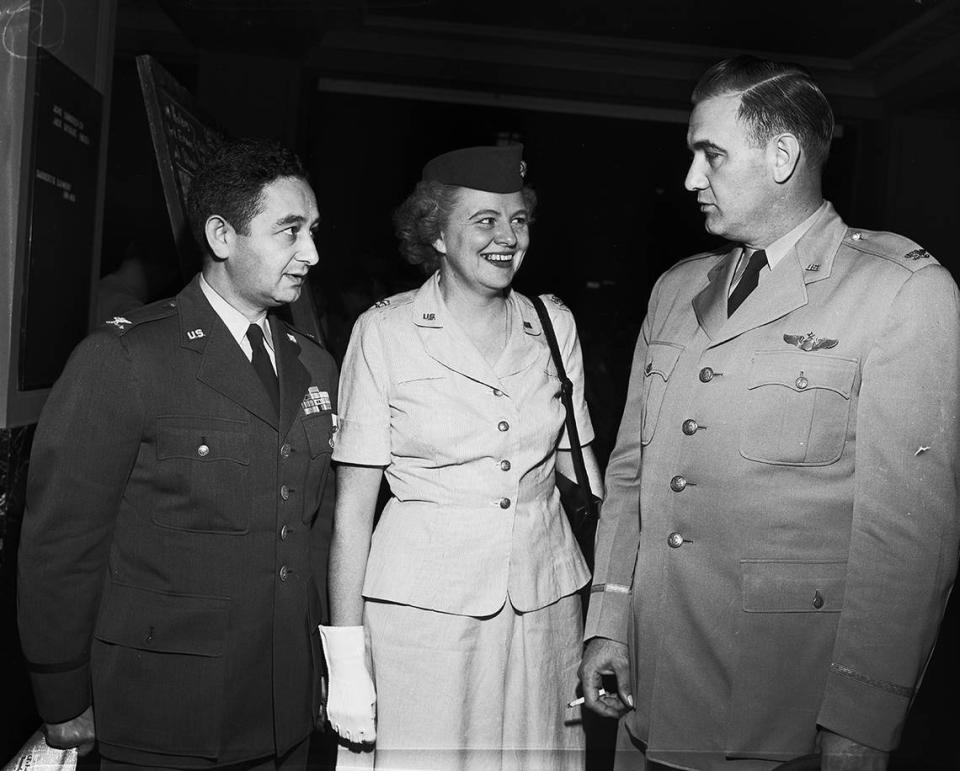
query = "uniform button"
{"x": 504, "y": 503}
{"x": 678, "y": 483}
{"x": 706, "y": 375}
{"x": 504, "y": 465}
{"x": 284, "y": 532}
{"x": 284, "y": 572}
{"x": 285, "y": 450}
{"x": 203, "y": 451}
{"x": 690, "y": 427}
{"x": 497, "y": 392}
{"x": 503, "y": 425}
{"x": 284, "y": 492}
{"x": 817, "y": 600}
{"x": 802, "y": 382}
{"x": 674, "y": 540}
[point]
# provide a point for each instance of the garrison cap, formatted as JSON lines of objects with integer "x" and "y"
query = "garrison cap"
{"x": 494, "y": 169}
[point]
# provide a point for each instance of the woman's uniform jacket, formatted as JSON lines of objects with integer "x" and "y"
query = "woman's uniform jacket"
{"x": 172, "y": 554}
{"x": 474, "y": 520}
{"x": 796, "y": 470}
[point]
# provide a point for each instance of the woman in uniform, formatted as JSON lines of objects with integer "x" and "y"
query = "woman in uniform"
{"x": 467, "y": 591}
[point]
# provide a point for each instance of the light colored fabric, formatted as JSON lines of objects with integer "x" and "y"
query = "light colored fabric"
{"x": 469, "y": 452}
{"x": 477, "y": 694}
{"x": 238, "y": 324}
{"x": 351, "y": 699}
{"x": 798, "y": 574}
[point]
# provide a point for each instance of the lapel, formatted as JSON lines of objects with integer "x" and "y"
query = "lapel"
{"x": 522, "y": 349}
{"x": 782, "y": 292}
{"x": 444, "y": 340}
{"x": 223, "y": 366}
{"x": 294, "y": 378}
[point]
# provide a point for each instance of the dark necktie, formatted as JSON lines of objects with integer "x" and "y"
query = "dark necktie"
{"x": 748, "y": 281}
{"x": 261, "y": 363}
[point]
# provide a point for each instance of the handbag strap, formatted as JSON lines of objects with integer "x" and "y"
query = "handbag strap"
{"x": 566, "y": 396}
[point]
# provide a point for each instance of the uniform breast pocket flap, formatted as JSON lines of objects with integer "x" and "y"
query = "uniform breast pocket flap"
{"x": 660, "y": 361}
{"x": 797, "y": 408}
{"x": 319, "y": 431}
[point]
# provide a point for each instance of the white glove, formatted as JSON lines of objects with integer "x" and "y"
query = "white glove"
{"x": 351, "y": 696}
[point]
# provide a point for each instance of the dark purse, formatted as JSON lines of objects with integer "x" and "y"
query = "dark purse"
{"x": 582, "y": 507}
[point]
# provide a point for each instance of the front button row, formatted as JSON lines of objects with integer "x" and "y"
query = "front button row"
{"x": 674, "y": 540}
{"x": 504, "y": 503}
{"x": 678, "y": 483}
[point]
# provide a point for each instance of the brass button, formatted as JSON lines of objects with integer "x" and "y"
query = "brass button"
{"x": 674, "y": 540}
{"x": 504, "y": 465}
{"x": 504, "y": 503}
{"x": 284, "y": 492}
{"x": 284, "y": 572}
{"x": 802, "y": 382}
{"x": 706, "y": 375}
{"x": 284, "y": 532}
{"x": 690, "y": 427}
{"x": 203, "y": 451}
{"x": 285, "y": 450}
{"x": 503, "y": 426}
{"x": 817, "y": 600}
{"x": 678, "y": 483}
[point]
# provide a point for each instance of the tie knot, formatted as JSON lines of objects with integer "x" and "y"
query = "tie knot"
{"x": 757, "y": 260}
{"x": 255, "y": 335}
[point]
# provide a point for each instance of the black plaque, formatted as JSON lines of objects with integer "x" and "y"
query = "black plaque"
{"x": 62, "y": 220}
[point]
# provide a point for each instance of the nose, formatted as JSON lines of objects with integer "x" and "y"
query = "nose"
{"x": 506, "y": 235}
{"x": 308, "y": 253}
{"x": 695, "y": 179}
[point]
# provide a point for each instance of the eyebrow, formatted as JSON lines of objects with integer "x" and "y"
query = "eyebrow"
{"x": 488, "y": 212}
{"x": 294, "y": 219}
{"x": 706, "y": 144}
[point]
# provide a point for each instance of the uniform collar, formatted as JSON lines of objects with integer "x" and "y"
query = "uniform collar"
{"x": 236, "y": 323}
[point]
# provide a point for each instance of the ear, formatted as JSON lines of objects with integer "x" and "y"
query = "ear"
{"x": 439, "y": 245}
{"x": 220, "y": 235}
{"x": 784, "y": 156}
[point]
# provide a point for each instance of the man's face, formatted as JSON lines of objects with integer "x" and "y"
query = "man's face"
{"x": 730, "y": 176}
{"x": 268, "y": 266}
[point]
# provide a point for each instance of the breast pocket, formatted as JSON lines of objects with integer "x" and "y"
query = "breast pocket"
{"x": 319, "y": 430}
{"x": 660, "y": 361}
{"x": 797, "y": 408}
{"x": 429, "y": 419}
{"x": 202, "y": 475}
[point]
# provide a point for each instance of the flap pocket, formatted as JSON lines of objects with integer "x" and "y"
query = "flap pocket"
{"x": 166, "y": 623}
{"x": 803, "y": 372}
{"x": 792, "y": 586}
{"x": 661, "y": 359}
{"x": 202, "y": 439}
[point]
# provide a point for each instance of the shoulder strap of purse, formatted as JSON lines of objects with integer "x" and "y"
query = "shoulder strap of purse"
{"x": 566, "y": 396}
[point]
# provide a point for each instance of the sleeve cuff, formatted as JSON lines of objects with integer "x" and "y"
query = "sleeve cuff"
{"x": 61, "y": 696}
{"x": 609, "y": 613}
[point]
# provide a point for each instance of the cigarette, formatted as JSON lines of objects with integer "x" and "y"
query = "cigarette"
{"x": 578, "y": 702}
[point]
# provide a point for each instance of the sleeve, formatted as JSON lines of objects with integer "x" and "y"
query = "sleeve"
{"x": 904, "y": 537}
{"x": 83, "y": 451}
{"x": 618, "y": 534}
{"x": 364, "y": 434}
{"x": 565, "y": 327}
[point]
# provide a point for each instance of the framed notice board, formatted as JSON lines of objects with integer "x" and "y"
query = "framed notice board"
{"x": 182, "y": 138}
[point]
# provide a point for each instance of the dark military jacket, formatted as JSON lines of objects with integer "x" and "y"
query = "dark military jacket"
{"x": 173, "y": 555}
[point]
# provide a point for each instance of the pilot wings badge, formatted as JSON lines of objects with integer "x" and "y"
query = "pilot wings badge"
{"x": 809, "y": 342}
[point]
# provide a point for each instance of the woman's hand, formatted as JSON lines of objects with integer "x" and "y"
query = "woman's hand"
{"x": 351, "y": 694}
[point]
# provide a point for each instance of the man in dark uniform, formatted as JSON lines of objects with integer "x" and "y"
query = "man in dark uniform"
{"x": 173, "y": 553}
{"x": 792, "y": 439}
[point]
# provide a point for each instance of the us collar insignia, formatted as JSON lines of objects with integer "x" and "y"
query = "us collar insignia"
{"x": 119, "y": 322}
{"x": 917, "y": 254}
{"x": 193, "y": 334}
{"x": 291, "y": 338}
{"x": 315, "y": 401}
{"x": 809, "y": 342}
{"x": 813, "y": 267}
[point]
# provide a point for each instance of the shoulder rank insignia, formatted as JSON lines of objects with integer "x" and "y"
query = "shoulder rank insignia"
{"x": 119, "y": 322}
{"x": 917, "y": 254}
{"x": 556, "y": 301}
{"x": 291, "y": 338}
{"x": 809, "y": 342}
{"x": 381, "y": 303}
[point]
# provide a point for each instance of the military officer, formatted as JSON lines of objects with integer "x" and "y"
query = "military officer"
{"x": 172, "y": 564}
{"x": 791, "y": 442}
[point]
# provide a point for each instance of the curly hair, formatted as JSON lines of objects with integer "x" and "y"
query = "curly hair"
{"x": 420, "y": 219}
{"x": 231, "y": 182}
{"x": 774, "y": 97}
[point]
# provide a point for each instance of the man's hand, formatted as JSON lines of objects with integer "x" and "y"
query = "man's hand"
{"x": 79, "y": 732}
{"x": 606, "y": 657}
{"x": 838, "y": 753}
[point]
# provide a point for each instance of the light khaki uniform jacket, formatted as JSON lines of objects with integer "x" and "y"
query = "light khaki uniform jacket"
{"x": 796, "y": 470}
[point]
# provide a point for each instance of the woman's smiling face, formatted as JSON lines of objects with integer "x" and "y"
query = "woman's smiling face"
{"x": 484, "y": 240}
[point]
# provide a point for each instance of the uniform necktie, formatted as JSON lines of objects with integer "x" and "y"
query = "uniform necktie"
{"x": 262, "y": 366}
{"x": 748, "y": 281}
